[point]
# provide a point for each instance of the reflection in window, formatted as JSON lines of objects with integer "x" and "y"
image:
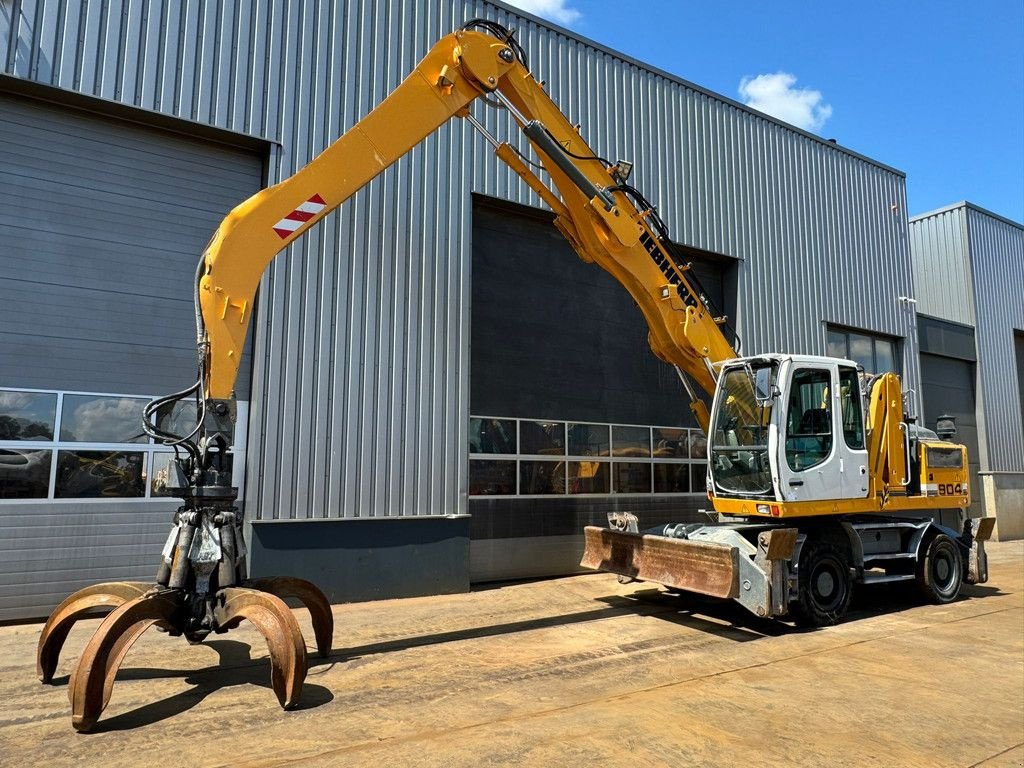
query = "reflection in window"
{"x": 492, "y": 436}
{"x": 876, "y": 354}
{"x": 589, "y": 477}
{"x": 24, "y": 474}
{"x": 671, "y": 443}
{"x": 631, "y": 441}
{"x": 809, "y": 429}
{"x": 672, "y": 478}
{"x": 850, "y": 402}
{"x": 546, "y": 438}
{"x": 492, "y": 478}
{"x": 97, "y": 419}
{"x": 588, "y": 440}
{"x": 632, "y": 477}
{"x": 698, "y": 445}
{"x": 541, "y": 477}
{"x": 96, "y": 474}
{"x": 27, "y": 415}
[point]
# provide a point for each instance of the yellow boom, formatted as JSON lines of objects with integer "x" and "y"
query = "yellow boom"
{"x": 593, "y": 208}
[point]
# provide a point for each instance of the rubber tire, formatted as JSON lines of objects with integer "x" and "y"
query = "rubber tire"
{"x": 811, "y": 609}
{"x": 936, "y": 588}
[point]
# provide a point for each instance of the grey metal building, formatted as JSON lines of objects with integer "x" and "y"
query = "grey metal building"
{"x": 380, "y": 336}
{"x": 969, "y": 271}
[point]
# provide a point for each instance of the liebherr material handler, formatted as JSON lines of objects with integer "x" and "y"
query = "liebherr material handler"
{"x": 804, "y": 451}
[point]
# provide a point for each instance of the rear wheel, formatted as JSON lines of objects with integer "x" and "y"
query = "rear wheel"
{"x": 825, "y": 584}
{"x": 940, "y": 573}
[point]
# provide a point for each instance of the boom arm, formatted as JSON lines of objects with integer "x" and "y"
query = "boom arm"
{"x": 606, "y": 221}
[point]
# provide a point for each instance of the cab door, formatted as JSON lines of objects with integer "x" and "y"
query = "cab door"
{"x": 850, "y": 438}
{"x": 811, "y": 464}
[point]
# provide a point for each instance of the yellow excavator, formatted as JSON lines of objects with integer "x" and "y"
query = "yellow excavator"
{"x": 804, "y": 452}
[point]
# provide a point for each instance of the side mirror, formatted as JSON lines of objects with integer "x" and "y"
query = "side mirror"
{"x": 763, "y": 389}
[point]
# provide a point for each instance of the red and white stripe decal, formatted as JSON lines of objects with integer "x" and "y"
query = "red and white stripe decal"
{"x": 287, "y": 226}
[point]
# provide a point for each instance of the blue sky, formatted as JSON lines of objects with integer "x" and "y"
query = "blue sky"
{"x": 935, "y": 89}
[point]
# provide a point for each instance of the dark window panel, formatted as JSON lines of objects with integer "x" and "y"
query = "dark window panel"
{"x": 24, "y": 474}
{"x": 541, "y": 477}
{"x": 589, "y": 476}
{"x": 672, "y": 478}
{"x": 100, "y": 474}
{"x": 631, "y": 441}
{"x": 545, "y": 438}
{"x": 589, "y": 440}
{"x": 632, "y": 477}
{"x": 492, "y": 436}
{"x": 492, "y": 478}
{"x": 671, "y": 443}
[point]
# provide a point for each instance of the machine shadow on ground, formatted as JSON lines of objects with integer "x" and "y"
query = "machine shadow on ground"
{"x": 235, "y": 666}
{"x": 727, "y": 619}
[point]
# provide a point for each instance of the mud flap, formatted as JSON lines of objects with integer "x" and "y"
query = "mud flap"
{"x": 977, "y": 558}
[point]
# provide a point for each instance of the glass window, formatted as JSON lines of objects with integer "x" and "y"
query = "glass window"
{"x": 672, "y": 478}
{"x": 541, "y": 477}
{"x": 851, "y": 403}
{"x": 492, "y": 478}
{"x": 739, "y": 444}
{"x": 632, "y": 477}
{"x": 861, "y": 351}
{"x": 631, "y": 441}
{"x": 836, "y": 343}
{"x": 589, "y": 440}
{"x": 698, "y": 445}
{"x": 492, "y": 436}
{"x": 97, "y": 474}
{"x": 809, "y": 419}
{"x": 589, "y": 476}
{"x": 24, "y": 474}
{"x": 92, "y": 419}
{"x": 27, "y": 415}
{"x": 885, "y": 356}
{"x": 699, "y": 478}
{"x": 546, "y": 438}
{"x": 671, "y": 443}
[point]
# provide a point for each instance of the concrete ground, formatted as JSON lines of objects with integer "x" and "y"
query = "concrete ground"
{"x": 566, "y": 672}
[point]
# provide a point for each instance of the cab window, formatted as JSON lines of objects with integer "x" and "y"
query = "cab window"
{"x": 851, "y": 407}
{"x": 809, "y": 421}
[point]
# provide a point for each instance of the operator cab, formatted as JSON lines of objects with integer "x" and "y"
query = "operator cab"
{"x": 788, "y": 428}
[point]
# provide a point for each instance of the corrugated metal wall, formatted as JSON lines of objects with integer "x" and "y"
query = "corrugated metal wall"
{"x": 362, "y": 339}
{"x": 969, "y": 267}
{"x": 997, "y": 255}
{"x": 942, "y": 269}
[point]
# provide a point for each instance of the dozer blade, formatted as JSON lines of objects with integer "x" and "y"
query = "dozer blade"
{"x": 695, "y": 566}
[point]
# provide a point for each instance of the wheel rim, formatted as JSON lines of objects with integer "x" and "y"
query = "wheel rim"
{"x": 945, "y": 571}
{"x": 826, "y": 584}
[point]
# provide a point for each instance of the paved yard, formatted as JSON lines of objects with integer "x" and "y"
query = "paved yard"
{"x": 574, "y": 671}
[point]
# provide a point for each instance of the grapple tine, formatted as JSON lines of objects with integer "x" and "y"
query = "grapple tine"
{"x": 310, "y": 596}
{"x": 97, "y": 667}
{"x": 109, "y": 595}
{"x": 276, "y": 623}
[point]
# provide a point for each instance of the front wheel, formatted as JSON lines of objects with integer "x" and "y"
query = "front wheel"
{"x": 940, "y": 573}
{"x": 825, "y": 584}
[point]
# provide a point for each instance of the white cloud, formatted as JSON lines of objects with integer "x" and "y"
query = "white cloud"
{"x": 776, "y": 95}
{"x": 556, "y": 10}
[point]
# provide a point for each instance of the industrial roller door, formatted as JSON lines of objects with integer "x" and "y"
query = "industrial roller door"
{"x": 102, "y": 223}
{"x": 948, "y": 389}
